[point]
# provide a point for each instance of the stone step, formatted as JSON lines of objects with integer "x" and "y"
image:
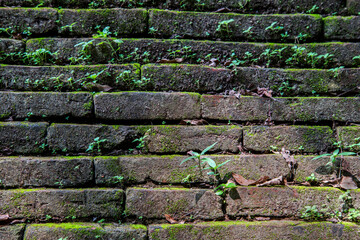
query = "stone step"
{"x": 342, "y": 28}
{"x": 315, "y": 55}
{"x": 82, "y": 230}
{"x": 14, "y": 232}
{"x": 233, "y": 230}
{"x": 244, "y": 6}
{"x": 36, "y": 204}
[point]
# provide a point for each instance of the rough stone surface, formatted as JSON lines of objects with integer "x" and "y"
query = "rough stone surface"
{"x": 154, "y": 203}
{"x": 181, "y": 139}
{"x": 353, "y": 6}
{"x": 45, "y": 172}
{"x": 125, "y": 22}
{"x": 215, "y": 25}
{"x": 232, "y": 230}
{"x": 186, "y": 77}
{"x": 14, "y": 232}
{"x": 144, "y": 105}
{"x": 36, "y": 21}
{"x": 9, "y": 49}
{"x": 22, "y": 137}
{"x": 343, "y": 53}
{"x": 68, "y": 78}
{"x": 311, "y": 109}
{"x": 85, "y": 231}
{"x": 64, "y": 204}
{"x": 342, "y": 28}
{"x": 79, "y": 137}
{"x": 280, "y": 201}
{"x": 349, "y": 136}
{"x": 309, "y": 139}
{"x": 45, "y": 105}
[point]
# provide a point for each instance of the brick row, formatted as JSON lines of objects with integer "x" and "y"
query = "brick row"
{"x": 316, "y": 55}
{"x": 254, "y": 6}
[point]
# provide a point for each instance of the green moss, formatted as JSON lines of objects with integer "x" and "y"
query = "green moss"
{"x": 138, "y": 226}
{"x": 65, "y": 225}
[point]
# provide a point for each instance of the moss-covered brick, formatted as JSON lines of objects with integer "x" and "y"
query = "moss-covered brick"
{"x": 21, "y": 105}
{"x": 94, "y": 139}
{"x": 353, "y": 7}
{"x": 187, "y": 203}
{"x": 22, "y": 137}
{"x": 147, "y": 105}
{"x": 309, "y": 139}
{"x": 85, "y": 22}
{"x": 280, "y": 201}
{"x": 68, "y": 78}
{"x": 349, "y": 136}
{"x": 11, "y": 50}
{"x": 14, "y": 232}
{"x": 79, "y": 230}
{"x": 45, "y": 171}
{"x": 68, "y": 204}
{"x": 151, "y": 50}
{"x": 181, "y": 139}
{"x": 271, "y": 230}
{"x": 234, "y": 26}
{"x": 32, "y": 21}
{"x": 342, "y": 28}
{"x": 307, "y": 109}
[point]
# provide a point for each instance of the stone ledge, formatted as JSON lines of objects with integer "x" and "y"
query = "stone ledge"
{"x": 342, "y": 28}
{"x": 14, "y": 232}
{"x": 180, "y": 203}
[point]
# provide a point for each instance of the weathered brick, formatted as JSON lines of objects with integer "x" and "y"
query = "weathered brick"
{"x": 353, "y": 7}
{"x": 349, "y": 136}
{"x": 68, "y": 78}
{"x": 281, "y": 109}
{"x": 309, "y": 139}
{"x": 181, "y": 139}
{"x": 185, "y": 77}
{"x": 36, "y": 21}
{"x": 125, "y": 22}
{"x": 82, "y": 203}
{"x": 20, "y": 105}
{"x": 340, "y": 54}
{"x": 147, "y": 105}
{"x": 45, "y": 172}
{"x": 14, "y": 232}
{"x": 342, "y": 28}
{"x": 85, "y": 230}
{"x": 10, "y": 50}
{"x": 79, "y": 137}
{"x": 255, "y": 230}
{"x": 183, "y": 203}
{"x": 280, "y": 201}
{"x": 234, "y": 26}
{"x": 22, "y": 137}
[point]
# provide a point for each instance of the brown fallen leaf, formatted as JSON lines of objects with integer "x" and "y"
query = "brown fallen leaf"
{"x": 18, "y": 221}
{"x": 170, "y": 219}
{"x": 348, "y": 183}
{"x": 194, "y": 122}
{"x": 223, "y": 10}
{"x": 176, "y": 60}
{"x": 4, "y": 217}
{"x": 241, "y": 180}
{"x": 214, "y": 62}
{"x": 264, "y": 91}
{"x": 272, "y": 182}
{"x": 261, "y": 180}
{"x": 97, "y": 87}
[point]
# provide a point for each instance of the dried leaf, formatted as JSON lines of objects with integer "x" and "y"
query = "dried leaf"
{"x": 290, "y": 160}
{"x": 223, "y": 10}
{"x": 176, "y": 60}
{"x": 241, "y": 180}
{"x": 348, "y": 183}
{"x": 170, "y": 219}
{"x": 18, "y": 221}
{"x": 261, "y": 180}
{"x": 194, "y": 122}
{"x": 182, "y": 222}
{"x": 262, "y": 218}
{"x": 272, "y": 182}
{"x": 214, "y": 62}
{"x": 264, "y": 91}
{"x": 4, "y": 217}
{"x": 97, "y": 87}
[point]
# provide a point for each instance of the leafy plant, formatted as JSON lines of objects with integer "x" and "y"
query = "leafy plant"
{"x": 336, "y": 71}
{"x": 273, "y": 28}
{"x": 312, "y": 10}
{"x": 312, "y": 179}
{"x": 311, "y": 213}
{"x": 96, "y": 145}
{"x": 224, "y": 27}
{"x": 220, "y": 190}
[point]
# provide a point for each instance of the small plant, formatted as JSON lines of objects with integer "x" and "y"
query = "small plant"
{"x": 224, "y": 27}
{"x": 336, "y": 71}
{"x": 312, "y": 179}
{"x": 141, "y": 140}
{"x": 311, "y": 213}
{"x": 357, "y": 60}
{"x": 116, "y": 179}
{"x": 220, "y": 190}
{"x": 70, "y": 27}
{"x": 96, "y": 145}
{"x": 312, "y": 10}
{"x": 273, "y": 28}
{"x": 153, "y": 30}
{"x": 248, "y": 32}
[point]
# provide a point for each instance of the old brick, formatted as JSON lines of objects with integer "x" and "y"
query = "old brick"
{"x": 82, "y": 203}
{"x": 234, "y": 26}
{"x": 342, "y": 28}
{"x": 295, "y": 138}
{"x": 353, "y": 7}
{"x": 45, "y": 172}
{"x": 82, "y": 137}
{"x": 143, "y": 105}
{"x": 14, "y": 232}
{"x": 181, "y": 139}
{"x": 255, "y": 230}
{"x": 278, "y": 201}
{"x": 22, "y": 137}
{"x": 125, "y": 22}
{"x": 88, "y": 230}
{"x": 46, "y": 105}
{"x": 349, "y": 136}
{"x": 154, "y": 203}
